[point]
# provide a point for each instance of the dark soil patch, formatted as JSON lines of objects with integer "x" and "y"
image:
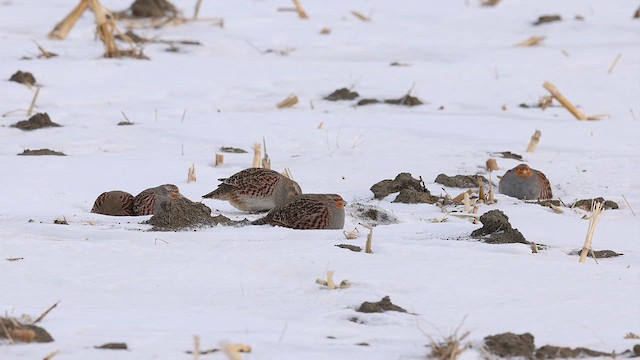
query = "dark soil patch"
{"x": 600, "y": 254}
{"x": 61, "y": 221}
{"x": 380, "y": 306}
{"x": 342, "y": 94}
{"x": 402, "y": 181}
{"x": 511, "y": 345}
{"x": 113, "y": 346}
{"x": 153, "y": 9}
{"x": 636, "y": 15}
{"x": 368, "y": 102}
{"x": 22, "y": 333}
{"x": 509, "y": 155}
{"x": 545, "y": 19}
{"x": 37, "y": 121}
{"x": 406, "y": 100}
{"x": 413, "y": 196}
{"x": 125, "y": 123}
{"x": 371, "y": 215}
{"x": 460, "y": 181}
{"x": 232, "y": 150}
{"x": 397, "y": 63}
{"x": 23, "y": 78}
{"x": 353, "y": 248}
{"x": 636, "y": 348}
{"x": 585, "y": 204}
{"x": 548, "y": 203}
{"x": 184, "y": 214}
{"x": 557, "y": 352}
{"x": 496, "y": 229}
{"x": 41, "y": 152}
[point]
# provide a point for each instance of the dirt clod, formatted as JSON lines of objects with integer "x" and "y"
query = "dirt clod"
{"x": 511, "y": 345}
{"x": 388, "y": 186}
{"x": 371, "y": 215}
{"x": 342, "y": 94}
{"x": 496, "y": 229}
{"x": 23, "y": 78}
{"x": 22, "y": 333}
{"x": 636, "y": 348}
{"x": 600, "y": 254}
{"x": 37, "y": 121}
{"x": 113, "y": 346}
{"x": 184, "y": 214}
{"x": 406, "y": 100}
{"x": 41, "y": 152}
{"x": 585, "y": 204}
{"x": 232, "y": 150}
{"x": 153, "y": 9}
{"x": 353, "y": 248}
{"x": 413, "y": 196}
{"x": 367, "y": 102}
{"x": 460, "y": 181}
{"x": 557, "y": 352}
{"x": 380, "y": 306}
{"x": 545, "y": 19}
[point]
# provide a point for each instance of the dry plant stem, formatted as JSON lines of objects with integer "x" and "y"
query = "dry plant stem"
{"x": 535, "y": 139}
{"x": 367, "y": 247}
{"x": 301, "y": 13}
{"x": 534, "y": 247}
{"x": 596, "y": 211}
{"x": 197, "y": 10}
{"x": 233, "y": 350}
{"x": 51, "y": 355}
{"x": 492, "y": 165}
{"x": 266, "y": 162}
{"x": 219, "y": 159}
{"x": 44, "y": 52}
{"x": 257, "y": 155}
{"x": 184, "y": 114}
{"x": 460, "y": 197}
{"x": 196, "y": 347}
{"x": 330, "y": 283}
{"x": 562, "y": 100}
{"x": 6, "y": 333}
{"x": 467, "y": 202}
{"x": 288, "y": 102}
{"x": 191, "y": 176}
{"x": 615, "y": 62}
{"x": 532, "y": 41}
{"x": 33, "y": 101}
{"x": 628, "y": 205}
{"x": 104, "y": 30}
{"x": 62, "y": 29}
{"x": 46, "y": 313}
{"x": 481, "y": 189}
{"x": 360, "y": 16}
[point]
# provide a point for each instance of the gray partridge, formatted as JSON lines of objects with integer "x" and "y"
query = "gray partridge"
{"x": 308, "y": 211}
{"x": 255, "y": 190}
{"x": 115, "y": 203}
{"x": 525, "y": 183}
{"x": 148, "y": 201}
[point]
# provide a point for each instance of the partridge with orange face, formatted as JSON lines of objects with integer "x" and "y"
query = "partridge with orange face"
{"x": 114, "y": 203}
{"x": 308, "y": 211}
{"x": 148, "y": 201}
{"x": 255, "y": 190}
{"x": 525, "y": 183}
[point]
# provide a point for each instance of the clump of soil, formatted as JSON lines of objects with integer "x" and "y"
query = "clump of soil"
{"x": 153, "y": 9}
{"x": 545, "y": 19}
{"x": 406, "y": 100}
{"x": 342, "y": 94}
{"x": 460, "y": 181}
{"x": 636, "y": 348}
{"x": 511, "y": 345}
{"x": 41, "y": 152}
{"x": 600, "y": 254}
{"x": 508, "y": 155}
{"x": 557, "y": 352}
{"x": 23, "y": 78}
{"x": 413, "y": 196}
{"x": 184, "y": 214}
{"x": 37, "y": 121}
{"x": 353, "y": 248}
{"x": 229, "y": 149}
{"x": 636, "y": 15}
{"x": 22, "y": 333}
{"x": 585, "y": 204}
{"x": 113, "y": 346}
{"x": 402, "y": 181}
{"x": 371, "y": 215}
{"x": 380, "y": 306}
{"x": 496, "y": 229}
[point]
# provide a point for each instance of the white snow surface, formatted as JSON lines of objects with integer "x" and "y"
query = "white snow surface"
{"x": 118, "y": 282}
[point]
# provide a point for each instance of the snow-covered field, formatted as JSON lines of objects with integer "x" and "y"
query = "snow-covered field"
{"x": 256, "y": 285}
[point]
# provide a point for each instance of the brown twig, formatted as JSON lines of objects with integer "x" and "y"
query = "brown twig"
{"x": 368, "y": 246}
{"x": 532, "y": 41}
{"x": 596, "y": 211}
{"x": 33, "y": 101}
{"x": 615, "y": 62}
{"x": 197, "y": 9}
{"x": 562, "y": 100}
{"x": 44, "y": 314}
{"x": 288, "y": 102}
{"x": 301, "y": 13}
{"x": 628, "y": 205}
{"x": 44, "y": 52}
{"x": 62, "y": 29}
{"x": 51, "y": 355}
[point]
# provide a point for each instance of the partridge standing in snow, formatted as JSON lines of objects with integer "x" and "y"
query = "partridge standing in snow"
{"x": 525, "y": 183}
{"x": 148, "y": 201}
{"x": 255, "y": 190}
{"x": 308, "y": 211}
{"x": 115, "y": 203}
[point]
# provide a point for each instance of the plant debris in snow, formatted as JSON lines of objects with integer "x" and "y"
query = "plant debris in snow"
{"x": 545, "y": 19}
{"x": 41, "y": 152}
{"x": 342, "y": 94}
{"x": 371, "y": 215}
{"x": 585, "y": 204}
{"x": 508, "y": 155}
{"x": 153, "y": 9}
{"x": 113, "y": 346}
{"x": 460, "y": 181}
{"x": 23, "y": 78}
{"x": 37, "y": 121}
{"x": 511, "y": 345}
{"x": 13, "y": 330}
{"x": 381, "y": 306}
{"x": 232, "y": 150}
{"x": 559, "y": 352}
{"x": 600, "y": 254}
{"x": 496, "y": 229}
{"x": 406, "y": 100}
{"x": 184, "y": 214}
{"x": 353, "y": 248}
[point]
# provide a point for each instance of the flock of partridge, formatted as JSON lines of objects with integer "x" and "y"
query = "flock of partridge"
{"x": 257, "y": 190}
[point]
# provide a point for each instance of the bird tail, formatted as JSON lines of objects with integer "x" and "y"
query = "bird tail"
{"x": 261, "y": 221}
